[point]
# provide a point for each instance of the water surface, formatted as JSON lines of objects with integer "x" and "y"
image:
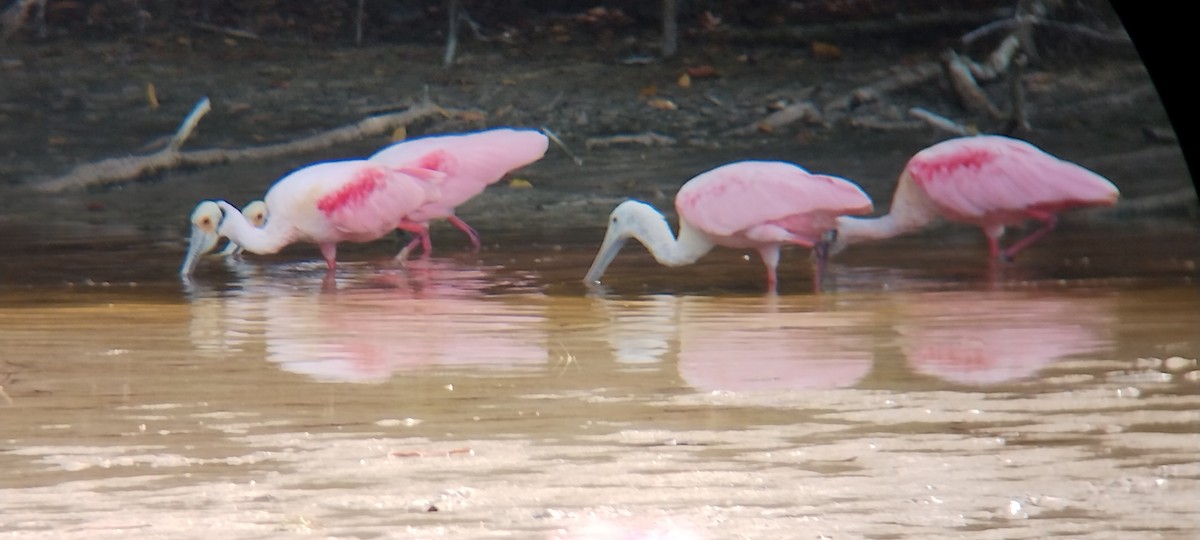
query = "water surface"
{"x": 924, "y": 393}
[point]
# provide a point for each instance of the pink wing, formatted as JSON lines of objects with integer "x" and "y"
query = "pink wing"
{"x": 973, "y": 177}
{"x": 741, "y": 195}
{"x": 352, "y": 200}
{"x": 471, "y": 162}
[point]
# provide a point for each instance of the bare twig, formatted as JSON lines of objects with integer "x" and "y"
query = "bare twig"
{"x": 232, "y": 32}
{"x": 803, "y": 110}
{"x": 670, "y": 26}
{"x": 915, "y": 75}
{"x": 1010, "y": 23}
{"x": 940, "y": 122}
{"x": 189, "y": 124}
{"x": 1018, "y": 121}
{"x": 452, "y": 33}
{"x": 879, "y": 124}
{"x": 963, "y": 81}
{"x": 562, "y": 145}
{"x": 644, "y": 139}
{"x": 359, "y": 15}
{"x": 124, "y": 169}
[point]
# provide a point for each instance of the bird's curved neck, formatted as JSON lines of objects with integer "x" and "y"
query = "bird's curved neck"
{"x": 910, "y": 210}
{"x": 269, "y": 239}
{"x": 669, "y": 250}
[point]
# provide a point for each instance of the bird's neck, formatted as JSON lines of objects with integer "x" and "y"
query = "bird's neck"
{"x": 669, "y": 250}
{"x": 910, "y": 210}
{"x": 852, "y": 230}
{"x": 269, "y": 239}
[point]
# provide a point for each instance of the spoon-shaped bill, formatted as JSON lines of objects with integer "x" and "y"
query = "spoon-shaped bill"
{"x": 612, "y": 244}
{"x": 205, "y": 220}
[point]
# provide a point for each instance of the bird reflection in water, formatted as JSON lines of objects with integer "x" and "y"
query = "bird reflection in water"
{"x": 436, "y": 315}
{"x": 976, "y": 338}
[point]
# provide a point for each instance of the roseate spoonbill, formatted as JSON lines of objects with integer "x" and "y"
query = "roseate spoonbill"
{"x": 325, "y": 203}
{"x": 256, "y": 214}
{"x": 746, "y": 204}
{"x": 987, "y": 180}
{"x": 470, "y": 163}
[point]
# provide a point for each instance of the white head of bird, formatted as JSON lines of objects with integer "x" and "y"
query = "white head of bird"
{"x": 638, "y": 220}
{"x": 206, "y": 221}
{"x": 256, "y": 213}
{"x": 212, "y": 220}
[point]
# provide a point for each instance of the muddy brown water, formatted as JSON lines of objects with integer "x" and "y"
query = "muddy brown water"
{"x": 923, "y": 394}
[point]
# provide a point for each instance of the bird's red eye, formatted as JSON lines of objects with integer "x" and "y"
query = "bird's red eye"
{"x": 205, "y": 221}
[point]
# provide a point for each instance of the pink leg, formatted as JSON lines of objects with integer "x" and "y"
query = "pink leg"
{"x": 770, "y": 259}
{"x": 1048, "y": 224}
{"x": 821, "y": 258}
{"x": 470, "y": 232}
{"x": 993, "y": 236}
{"x": 330, "y": 253}
{"x": 422, "y": 232}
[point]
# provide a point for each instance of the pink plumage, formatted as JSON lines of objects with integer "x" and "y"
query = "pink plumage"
{"x": 470, "y": 162}
{"x": 353, "y": 200}
{"x": 733, "y": 201}
{"x": 762, "y": 205}
{"x": 993, "y": 180}
{"x": 988, "y": 181}
{"x": 325, "y": 203}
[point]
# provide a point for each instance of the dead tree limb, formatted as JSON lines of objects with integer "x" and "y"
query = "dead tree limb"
{"x": 359, "y": 16}
{"x": 644, "y": 139}
{"x": 913, "y": 76}
{"x": 941, "y": 122}
{"x": 803, "y": 110}
{"x": 124, "y": 169}
{"x": 451, "y": 33}
{"x": 962, "y": 80}
{"x": 1014, "y": 22}
{"x": 231, "y": 32}
{"x": 670, "y": 26}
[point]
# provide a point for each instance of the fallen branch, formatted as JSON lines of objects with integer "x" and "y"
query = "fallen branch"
{"x": 878, "y": 124}
{"x": 189, "y": 124}
{"x": 918, "y": 74}
{"x": 561, "y": 144}
{"x": 125, "y": 169}
{"x": 890, "y": 25}
{"x": 941, "y": 122}
{"x": 644, "y": 139}
{"x": 962, "y": 79}
{"x": 803, "y": 110}
{"x": 231, "y": 32}
{"x": 1014, "y": 22}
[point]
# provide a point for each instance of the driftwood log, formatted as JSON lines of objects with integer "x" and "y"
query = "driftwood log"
{"x": 124, "y": 169}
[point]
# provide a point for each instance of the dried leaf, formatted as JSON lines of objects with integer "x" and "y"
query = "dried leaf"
{"x": 399, "y": 134}
{"x": 702, "y": 72}
{"x": 826, "y": 51}
{"x": 472, "y": 116}
{"x": 519, "y": 183}
{"x": 151, "y": 96}
{"x": 648, "y": 91}
{"x": 663, "y": 104}
{"x": 685, "y": 81}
